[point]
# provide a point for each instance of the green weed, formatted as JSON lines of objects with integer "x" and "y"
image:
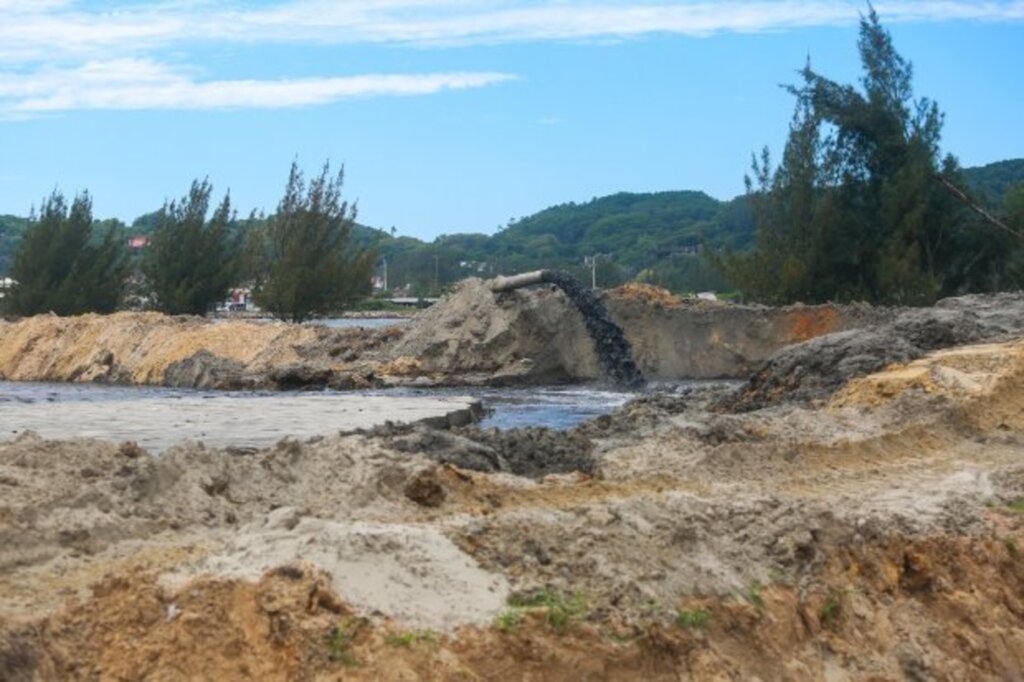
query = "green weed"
{"x": 696, "y": 619}
{"x": 509, "y": 619}
{"x": 410, "y": 637}
{"x": 562, "y": 609}
{"x": 753, "y": 594}
{"x": 340, "y": 639}
{"x": 830, "y": 610}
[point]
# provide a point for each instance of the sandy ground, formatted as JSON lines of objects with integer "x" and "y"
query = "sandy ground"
{"x": 873, "y": 535}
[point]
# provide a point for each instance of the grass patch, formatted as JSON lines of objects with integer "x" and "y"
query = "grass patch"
{"x": 693, "y": 619}
{"x": 562, "y": 609}
{"x": 830, "y": 610}
{"x": 753, "y": 594}
{"x": 1016, "y": 507}
{"x": 509, "y": 620}
{"x": 408, "y": 638}
{"x": 1011, "y": 547}
{"x": 340, "y": 640}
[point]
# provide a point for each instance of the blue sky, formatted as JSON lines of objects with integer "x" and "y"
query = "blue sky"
{"x": 454, "y": 115}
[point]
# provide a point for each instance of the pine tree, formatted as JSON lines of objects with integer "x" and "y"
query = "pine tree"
{"x": 304, "y": 253}
{"x": 860, "y": 208}
{"x": 191, "y": 261}
{"x": 63, "y": 267}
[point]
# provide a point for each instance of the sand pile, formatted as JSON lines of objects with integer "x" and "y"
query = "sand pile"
{"x": 513, "y": 336}
{"x": 646, "y": 293}
{"x": 149, "y": 348}
{"x": 413, "y": 575}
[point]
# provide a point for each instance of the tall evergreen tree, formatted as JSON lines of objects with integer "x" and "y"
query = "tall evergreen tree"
{"x": 191, "y": 261}
{"x": 63, "y": 267}
{"x": 308, "y": 263}
{"x": 860, "y": 207}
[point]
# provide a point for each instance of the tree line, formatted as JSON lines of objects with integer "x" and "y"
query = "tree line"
{"x": 301, "y": 260}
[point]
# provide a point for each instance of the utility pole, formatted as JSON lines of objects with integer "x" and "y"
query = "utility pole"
{"x": 592, "y": 262}
{"x": 437, "y": 271}
{"x": 385, "y": 275}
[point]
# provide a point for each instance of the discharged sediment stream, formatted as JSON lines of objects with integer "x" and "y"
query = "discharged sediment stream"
{"x": 613, "y": 349}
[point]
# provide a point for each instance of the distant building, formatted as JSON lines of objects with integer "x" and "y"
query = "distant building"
{"x": 138, "y": 242}
{"x": 6, "y": 283}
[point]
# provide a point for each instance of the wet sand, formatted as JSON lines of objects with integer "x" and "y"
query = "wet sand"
{"x": 156, "y": 423}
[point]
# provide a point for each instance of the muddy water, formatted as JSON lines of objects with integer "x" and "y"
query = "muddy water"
{"x": 159, "y": 417}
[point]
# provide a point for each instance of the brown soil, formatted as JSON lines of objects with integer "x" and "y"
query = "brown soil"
{"x": 928, "y": 609}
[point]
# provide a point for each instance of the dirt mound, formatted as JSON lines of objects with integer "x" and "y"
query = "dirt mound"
{"x": 814, "y": 370}
{"x": 646, "y": 293}
{"x": 888, "y": 609}
{"x": 410, "y": 574}
{"x": 523, "y": 335}
{"x": 149, "y": 348}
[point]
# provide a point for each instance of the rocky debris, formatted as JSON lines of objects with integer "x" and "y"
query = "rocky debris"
{"x": 815, "y": 369}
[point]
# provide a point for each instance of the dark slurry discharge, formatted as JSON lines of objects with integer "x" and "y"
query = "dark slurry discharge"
{"x": 613, "y": 349}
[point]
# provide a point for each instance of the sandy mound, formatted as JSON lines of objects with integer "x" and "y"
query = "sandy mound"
{"x": 150, "y": 348}
{"x": 412, "y": 575}
{"x": 647, "y": 294}
{"x": 960, "y": 374}
{"x": 513, "y": 336}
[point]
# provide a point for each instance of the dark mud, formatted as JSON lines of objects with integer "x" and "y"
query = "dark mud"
{"x": 531, "y": 452}
{"x": 814, "y": 370}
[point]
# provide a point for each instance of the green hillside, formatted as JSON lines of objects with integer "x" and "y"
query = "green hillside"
{"x": 992, "y": 182}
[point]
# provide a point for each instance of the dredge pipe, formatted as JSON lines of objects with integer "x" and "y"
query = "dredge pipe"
{"x": 525, "y": 279}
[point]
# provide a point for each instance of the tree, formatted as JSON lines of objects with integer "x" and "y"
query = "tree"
{"x": 860, "y": 206}
{"x": 305, "y": 253}
{"x": 191, "y": 261}
{"x": 63, "y": 267}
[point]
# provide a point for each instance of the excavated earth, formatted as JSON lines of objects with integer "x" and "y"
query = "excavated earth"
{"x": 850, "y": 520}
{"x": 473, "y": 336}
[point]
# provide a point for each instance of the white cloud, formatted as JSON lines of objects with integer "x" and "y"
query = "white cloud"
{"x": 45, "y": 28}
{"x": 66, "y": 54}
{"x": 143, "y": 84}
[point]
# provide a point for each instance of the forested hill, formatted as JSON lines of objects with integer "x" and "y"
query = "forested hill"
{"x": 654, "y": 237}
{"x": 992, "y": 182}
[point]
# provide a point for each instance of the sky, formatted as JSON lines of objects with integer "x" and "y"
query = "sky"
{"x": 455, "y": 115}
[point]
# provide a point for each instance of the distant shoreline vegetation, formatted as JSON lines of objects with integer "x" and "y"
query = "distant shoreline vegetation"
{"x": 654, "y": 236}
